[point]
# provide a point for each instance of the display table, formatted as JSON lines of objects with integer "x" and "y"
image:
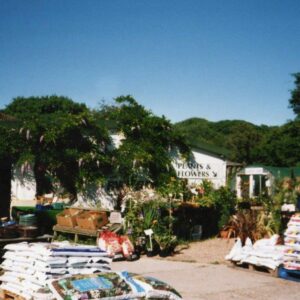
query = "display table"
{"x": 45, "y": 218}
{"x": 77, "y": 232}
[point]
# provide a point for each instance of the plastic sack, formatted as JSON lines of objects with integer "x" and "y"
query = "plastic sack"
{"x": 235, "y": 251}
{"x": 109, "y": 242}
{"x": 114, "y": 244}
{"x": 127, "y": 246}
{"x": 111, "y": 285}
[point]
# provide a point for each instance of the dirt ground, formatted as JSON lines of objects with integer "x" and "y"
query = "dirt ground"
{"x": 206, "y": 252}
{"x": 199, "y": 272}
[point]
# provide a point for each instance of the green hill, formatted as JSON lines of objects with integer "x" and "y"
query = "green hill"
{"x": 238, "y": 140}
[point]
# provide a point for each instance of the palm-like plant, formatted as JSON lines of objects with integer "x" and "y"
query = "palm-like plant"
{"x": 250, "y": 224}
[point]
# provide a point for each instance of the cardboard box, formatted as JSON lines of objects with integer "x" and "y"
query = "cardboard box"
{"x": 92, "y": 220}
{"x": 67, "y": 218}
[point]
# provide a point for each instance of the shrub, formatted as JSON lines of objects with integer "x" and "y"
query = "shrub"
{"x": 222, "y": 199}
{"x": 155, "y": 215}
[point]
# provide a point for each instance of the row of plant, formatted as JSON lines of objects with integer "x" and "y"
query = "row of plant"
{"x": 157, "y": 224}
{"x": 270, "y": 215}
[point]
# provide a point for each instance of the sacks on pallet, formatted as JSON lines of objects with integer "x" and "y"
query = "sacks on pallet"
{"x": 27, "y": 267}
{"x": 292, "y": 243}
{"x": 111, "y": 285}
{"x": 264, "y": 252}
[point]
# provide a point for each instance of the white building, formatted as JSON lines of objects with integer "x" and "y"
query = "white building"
{"x": 253, "y": 181}
{"x": 23, "y": 187}
{"x": 203, "y": 165}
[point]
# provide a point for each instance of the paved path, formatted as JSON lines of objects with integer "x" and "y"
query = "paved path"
{"x": 213, "y": 281}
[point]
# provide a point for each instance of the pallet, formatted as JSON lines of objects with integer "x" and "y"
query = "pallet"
{"x": 292, "y": 275}
{"x": 255, "y": 268}
{"x": 7, "y": 295}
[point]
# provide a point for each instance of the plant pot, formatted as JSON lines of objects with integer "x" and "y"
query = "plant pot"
{"x": 224, "y": 234}
{"x": 150, "y": 253}
{"x": 165, "y": 252}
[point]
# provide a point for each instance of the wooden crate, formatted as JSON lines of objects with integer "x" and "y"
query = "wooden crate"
{"x": 67, "y": 217}
{"x": 92, "y": 220}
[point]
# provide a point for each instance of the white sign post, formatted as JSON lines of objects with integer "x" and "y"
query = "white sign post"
{"x": 149, "y": 232}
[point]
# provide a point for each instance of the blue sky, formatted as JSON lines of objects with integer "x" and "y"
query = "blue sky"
{"x": 211, "y": 59}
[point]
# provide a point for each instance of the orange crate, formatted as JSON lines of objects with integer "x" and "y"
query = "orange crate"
{"x": 67, "y": 218}
{"x": 92, "y": 219}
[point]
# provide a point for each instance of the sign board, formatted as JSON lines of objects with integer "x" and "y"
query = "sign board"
{"x": 148, "y": 231}
{"x": 254, "y": 171}
{"x": 194, "y": 170}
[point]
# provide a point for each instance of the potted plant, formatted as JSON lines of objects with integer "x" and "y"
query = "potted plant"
{"x": 167, "y": 243}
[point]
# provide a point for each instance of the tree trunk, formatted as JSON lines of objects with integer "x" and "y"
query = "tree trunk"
{"x": 43, "y": 184}
{"x": 5, "y": 187}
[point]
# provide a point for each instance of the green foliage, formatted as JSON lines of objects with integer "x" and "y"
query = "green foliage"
{"x": 142, "y": 216}
{"x": 285, "y": 193}
{"x": 61, "y": 138}
{"x": 11, "y": 143}
{"x": 167, "y": 242}
{"x": 175, "y": 189}
{"x": 295, "y": 95}
{"x": 281, "y": 147}
{"x": 149, "y": 140}
{"x": 222, "y": 199}
{"x": 203, "y": 134}
{"x": 155, "y": 215}
{"x": 243, "y": 141}
{"x": 270, "y": 220}
{"x": 247, "y": 223}
{"x": 247, "y": 143}
{"x": 226, "y": 203}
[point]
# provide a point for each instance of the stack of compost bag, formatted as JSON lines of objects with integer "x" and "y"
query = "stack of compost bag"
{"x": 27, "y": 266}
{"x": 292, "y": 243}
{"x": 61, "y": 271}
{"x": 263, "y": 253}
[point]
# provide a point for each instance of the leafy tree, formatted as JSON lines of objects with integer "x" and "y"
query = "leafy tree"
{"x": 235, "y": 139}
{"x": 247, "y": 143}
{"x": 200, "y": 131}
{"x": 243, "y": 142}
{"x": 62, "y": 140}
{"x": 149, "y": 141}
{"x": 281, "y": 147}
{"x": 295, "y": 95}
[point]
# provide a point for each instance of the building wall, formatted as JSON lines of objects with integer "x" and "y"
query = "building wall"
{"x": 202, "y": 166}
{"x": 23, "y": 187}
{"x": 249, "y": 173}
{"x": 95, "y": 196}
{"x": 23, "y": 192}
